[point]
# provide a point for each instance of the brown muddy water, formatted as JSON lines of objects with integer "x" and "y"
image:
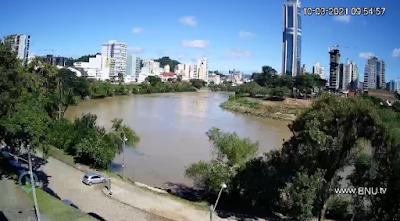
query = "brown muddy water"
{"x": 172, "y": 128}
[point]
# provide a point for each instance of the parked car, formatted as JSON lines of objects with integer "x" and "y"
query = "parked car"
{"x": 92, "y": 178}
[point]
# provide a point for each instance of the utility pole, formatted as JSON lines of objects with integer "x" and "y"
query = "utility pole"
{"x": 123, "y": 157}
{"x": 33, "y": 182}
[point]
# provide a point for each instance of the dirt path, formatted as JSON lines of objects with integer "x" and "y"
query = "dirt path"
{"x": 66, "y": 182}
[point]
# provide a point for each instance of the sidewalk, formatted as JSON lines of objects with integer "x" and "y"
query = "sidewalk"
{"x": 157, "y": 203}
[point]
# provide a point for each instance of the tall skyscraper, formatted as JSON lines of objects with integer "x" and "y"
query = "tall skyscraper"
{"x": 291, "y": 58}
{"x": 202, "y": 69}
{"x": 334, "y": 71}
{"x": 114, "y": 55}
{"x": 19, "y": 44}
{"x": 374, "y": 75}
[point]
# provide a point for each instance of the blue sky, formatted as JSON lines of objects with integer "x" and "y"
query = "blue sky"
{"x": 238, "y": 34}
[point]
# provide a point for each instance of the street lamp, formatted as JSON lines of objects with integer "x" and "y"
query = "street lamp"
{"x": 123, "y": 156}
{"x": 223, "y": 186}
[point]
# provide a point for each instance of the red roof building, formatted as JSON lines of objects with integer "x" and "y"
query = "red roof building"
{"x": 168, "y": 74}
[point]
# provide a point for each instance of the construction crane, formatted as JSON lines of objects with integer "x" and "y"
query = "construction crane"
{"x": 53, "y": 50}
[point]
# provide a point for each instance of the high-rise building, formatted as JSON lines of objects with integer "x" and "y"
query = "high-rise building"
{"x": 131, "y": 65}
{"x": 19, "y": 44}
{"x": 374, "y": 74}
{"x": 391, "y": 85}
{"x": 341, "y": 76}
{"x": 114, "y": 55}
{"x": 303, "y": 69}
{"x": 202, "y": 72}
{"x": 397, "y": 85}
{"x": 347, "y": 75}
{"x": 318, "y": 70}
{"x": 291, "y": 58}
{"x": 354, "y": 72}
{"x": 334, "y": 72}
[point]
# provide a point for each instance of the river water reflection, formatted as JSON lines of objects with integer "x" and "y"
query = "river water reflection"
{"x": 172, "y": 129}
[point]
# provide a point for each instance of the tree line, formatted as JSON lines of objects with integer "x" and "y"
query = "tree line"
{"x": 298, "y": 179}
{"x": 269, "y": 83}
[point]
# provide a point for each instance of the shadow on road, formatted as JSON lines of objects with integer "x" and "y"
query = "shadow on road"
{"x": 3, "y": 217}
{"x": 185, "y": 192}
{"x": 94, "y": 215}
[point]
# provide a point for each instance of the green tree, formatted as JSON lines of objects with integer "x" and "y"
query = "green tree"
{"x": 305, "y": 83}
{"x": 85, "y": 58}
{"x": 198, "y": 83}
{"x": 120, "y": 131}
{"x": 168, "y": 61}
{"x": 325, "y": 139}
{"x": 301, "y": 193}
{"x": 27, "y": 125}
{"x": 153, "y": 80}
{"x": 231, "y": 153}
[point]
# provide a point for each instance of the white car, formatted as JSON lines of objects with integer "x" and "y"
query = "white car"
{"x": 92, "y": 178}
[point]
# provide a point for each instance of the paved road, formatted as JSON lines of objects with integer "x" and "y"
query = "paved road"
{"x": 66, "y": 182}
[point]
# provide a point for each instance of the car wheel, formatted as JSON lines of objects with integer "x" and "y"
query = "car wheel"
{"x": 104, "y": 181}
{"x": 90, "y": 183}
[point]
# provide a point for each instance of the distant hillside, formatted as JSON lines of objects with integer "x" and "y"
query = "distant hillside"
{"x": 166, "y": 60}
{"x": 85, "y": 58}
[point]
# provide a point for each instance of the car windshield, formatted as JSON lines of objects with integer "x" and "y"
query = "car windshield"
{"x": 86, "y": 177}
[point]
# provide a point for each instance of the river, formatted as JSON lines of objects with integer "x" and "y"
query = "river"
{"x": 172, "y": 128}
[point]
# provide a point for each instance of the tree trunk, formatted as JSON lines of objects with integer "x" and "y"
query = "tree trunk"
{"x": 322, "y": 212}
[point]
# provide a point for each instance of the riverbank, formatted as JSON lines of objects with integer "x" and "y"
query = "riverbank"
{"x": 286, "y": 110}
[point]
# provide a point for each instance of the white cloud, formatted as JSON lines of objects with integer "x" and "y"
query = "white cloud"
{"x": 396, "y": 53}
{"x": 136, "y": 50}
{"x": 238, "y": 53}
{"x": 365, "y": 55}
{"x": 244, "y": 34}
{"x": 137, "y": 30}
{"x": 188, "y": 20}
{"x": 345, "y": 18}
{"x": 196, "y": 44}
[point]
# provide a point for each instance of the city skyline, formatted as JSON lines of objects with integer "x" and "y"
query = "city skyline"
{"x": 245, "y": 42}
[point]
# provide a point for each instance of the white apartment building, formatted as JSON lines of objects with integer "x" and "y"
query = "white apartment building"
{"x": 84, "y": 65}
{"x": 167, "y": 68}
{"x": 180, "y": 69}
{"x": 202, "y": 69}
{"x": 347, "y": 74}
{"x": 374, "y": 76}
{"x": 354, "y": 71}
{"x": 397, "y": 85}
{"x": 318, "y": 70}
{"x": 114, "y": 56}
{"x": 95, "y": 65}
{"x": 19, "y": 44}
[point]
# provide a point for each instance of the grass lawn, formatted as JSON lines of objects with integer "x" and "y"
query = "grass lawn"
{"x": 56, "y": 210}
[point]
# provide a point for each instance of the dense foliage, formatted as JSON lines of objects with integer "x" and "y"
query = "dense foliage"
{"x": 168, "y": 61}
{"x": 85, "y": 58}
{"x": 198, "y": 83}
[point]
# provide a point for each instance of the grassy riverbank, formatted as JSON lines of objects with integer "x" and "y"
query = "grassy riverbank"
{"x": 280, "y": 110}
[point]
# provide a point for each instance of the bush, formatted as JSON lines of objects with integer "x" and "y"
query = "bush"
{"x": 337, "y": 208}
